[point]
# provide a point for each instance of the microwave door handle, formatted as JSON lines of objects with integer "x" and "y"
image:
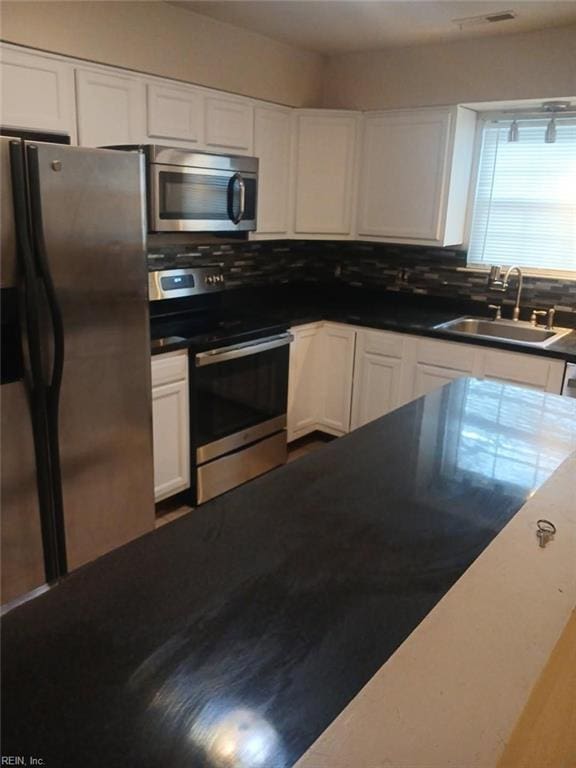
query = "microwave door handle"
{"x": 236, "y": 218}
{"x": 242, "y": 188}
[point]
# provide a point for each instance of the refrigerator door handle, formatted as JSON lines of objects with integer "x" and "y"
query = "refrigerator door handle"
{"x": 44, "y": 272}
{"x": 34, "y": 368}
{"x": 55, "y": 381}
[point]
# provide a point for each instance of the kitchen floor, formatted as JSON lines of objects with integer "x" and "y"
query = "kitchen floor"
{"x": 168, "y": 511}
{"x": 308, "y": 444}
{"x": 166, "y": 514}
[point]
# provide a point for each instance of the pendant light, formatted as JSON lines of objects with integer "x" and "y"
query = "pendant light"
{"x": 550, "y": 136}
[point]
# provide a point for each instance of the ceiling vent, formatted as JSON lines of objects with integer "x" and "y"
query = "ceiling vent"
{"x": 490, "y": 18}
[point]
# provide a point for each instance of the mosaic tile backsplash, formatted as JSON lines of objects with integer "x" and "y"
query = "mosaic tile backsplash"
{"x": 399, "y": 268}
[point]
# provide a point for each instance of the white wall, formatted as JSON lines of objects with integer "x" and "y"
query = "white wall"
{"x": 529, "y": 65}
{"x": 165, "y": 40}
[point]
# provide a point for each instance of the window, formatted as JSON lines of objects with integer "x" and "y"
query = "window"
{"x": 525, "y": 204}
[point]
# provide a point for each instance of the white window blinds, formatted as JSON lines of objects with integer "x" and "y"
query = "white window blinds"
{"x": 525, "y": 203}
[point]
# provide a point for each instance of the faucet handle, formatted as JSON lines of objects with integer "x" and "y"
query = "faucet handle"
{"x": 536, "y": 313}
{"x": 498, "y": 308}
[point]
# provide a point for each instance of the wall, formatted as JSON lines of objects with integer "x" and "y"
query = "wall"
{"x": 165, "y": 40}
{"x": 529, "y": 65}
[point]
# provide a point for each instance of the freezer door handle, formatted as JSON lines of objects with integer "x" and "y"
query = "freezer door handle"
{"x": 34, "y": 368}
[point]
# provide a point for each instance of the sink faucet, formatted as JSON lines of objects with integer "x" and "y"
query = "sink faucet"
{"x": 549, "y": 315}
{"x": 516, "y": 310}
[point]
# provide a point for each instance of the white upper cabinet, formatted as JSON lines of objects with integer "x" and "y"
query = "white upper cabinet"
{"x": 175, "y": 113}
{"x": 111, "y": 108}
{"x": 415, "y": 174}
{"x": 326, "y": 149}
{"x": 273, "y": 147}
{"x": 229, "y": 123}
{"x": 37, "y": 92}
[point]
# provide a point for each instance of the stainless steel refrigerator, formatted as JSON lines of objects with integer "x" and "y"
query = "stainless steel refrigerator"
{"x": 76, "y": 439}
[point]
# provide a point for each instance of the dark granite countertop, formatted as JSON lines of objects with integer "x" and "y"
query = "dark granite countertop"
{"x": 391, "y": 312}
{"x": 235, "y": 635}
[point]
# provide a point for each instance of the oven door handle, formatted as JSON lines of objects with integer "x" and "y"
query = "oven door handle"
{"x": 223, "y": 354}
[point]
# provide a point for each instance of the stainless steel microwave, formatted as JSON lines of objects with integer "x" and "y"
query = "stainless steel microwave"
{"x": 199, "y": 191}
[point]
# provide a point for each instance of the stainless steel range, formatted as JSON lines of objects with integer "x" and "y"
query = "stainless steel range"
{"x": 238, "y": 378}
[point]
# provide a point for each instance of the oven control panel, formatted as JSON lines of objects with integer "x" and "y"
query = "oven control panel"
{"x": 176, "y": 283}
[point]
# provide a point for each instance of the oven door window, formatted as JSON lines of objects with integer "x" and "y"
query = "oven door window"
{"x": 237, "y": 394}
{"x": 205, "y": 197}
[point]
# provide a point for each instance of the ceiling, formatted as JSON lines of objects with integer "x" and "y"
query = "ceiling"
{"x": 342, "y": 26}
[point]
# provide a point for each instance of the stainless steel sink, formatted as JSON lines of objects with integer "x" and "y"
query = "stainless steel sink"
{"x": 505, "y": 330}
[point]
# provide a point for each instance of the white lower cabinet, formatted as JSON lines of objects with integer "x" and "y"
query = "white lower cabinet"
{"x": 171, "y": 424}
{"x": 436, "y": 363}
{"x": 337, "y": 367}
{"x": 320, "y": 381}
{"x": 376, "y": 388}
{"x": 303, "y": 381}
{"x": 378, "y": 375}
{"x": 342, "y": 377}
{"x": 430, "y": 377}
{"x": 525, "y": 370}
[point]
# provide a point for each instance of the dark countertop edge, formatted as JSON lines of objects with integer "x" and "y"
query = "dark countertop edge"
{"x": 175, "y": 343}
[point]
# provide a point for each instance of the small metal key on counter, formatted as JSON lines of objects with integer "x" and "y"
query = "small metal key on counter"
{"x": 545, "y": 532}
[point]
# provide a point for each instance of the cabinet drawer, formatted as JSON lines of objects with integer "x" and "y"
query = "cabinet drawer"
{"x": 524, "y": 369}
{"x": 383, "y": 343}
{"x": 445, "y": 354}
{"x": 168, "y": 368}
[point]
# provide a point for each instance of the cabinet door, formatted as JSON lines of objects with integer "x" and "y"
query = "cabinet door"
{"x": 427, "y": 378}
{"x": 326, "y": 146}
{"x": 229, "y": 123}
{"x": 337, "y": 368}
{"x": 272, "y": 146}
{"x": 111, "y": 109}
{"x": 403, "y": 174}
{"x": 37, "y": 92}
{"x": 171, "y": 439}
{"x": 524, "y": 370}
{"x": 376, "y": 387}
{"x": 175, "y": 113}
{"x": 303, "y": 382}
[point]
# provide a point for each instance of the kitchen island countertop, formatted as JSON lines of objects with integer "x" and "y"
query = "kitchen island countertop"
{"x": 236, "y": 635}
